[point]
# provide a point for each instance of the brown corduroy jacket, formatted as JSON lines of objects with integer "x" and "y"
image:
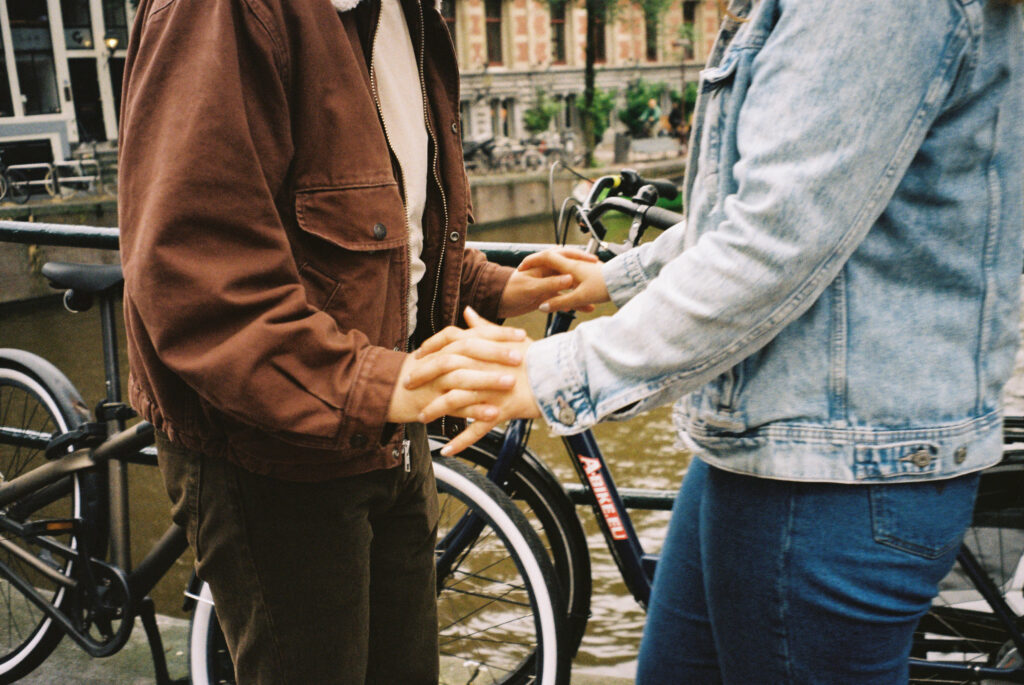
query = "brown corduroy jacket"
{"x": 263, "y": 235}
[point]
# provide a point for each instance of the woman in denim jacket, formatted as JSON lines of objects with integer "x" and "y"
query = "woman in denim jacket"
{"x": 840, "y": 316}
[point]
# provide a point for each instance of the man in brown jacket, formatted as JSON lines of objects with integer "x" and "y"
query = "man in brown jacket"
{"x": 293, "y": 218}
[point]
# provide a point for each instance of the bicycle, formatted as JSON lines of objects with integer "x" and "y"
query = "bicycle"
{"x": 67, "y": 178}
{"x": 973, "y": 632}
{"x": 64, "y": 493}
{"x": 14, "y": 185}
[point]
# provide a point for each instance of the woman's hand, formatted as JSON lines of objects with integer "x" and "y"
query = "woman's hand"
{"x": 532, "y": 285}
{"x": 587, "y": 287}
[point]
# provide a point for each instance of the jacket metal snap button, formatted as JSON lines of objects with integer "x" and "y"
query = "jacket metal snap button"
{"x": 921, "y": 458}
{"x": 960, "y": 456}
{"x": 566, "y": 415}
{"x": 380, "y": 231}
{"x": 455, "y": 127}
{"x": 453, "y": 236}
{"x": 358, "y": 441}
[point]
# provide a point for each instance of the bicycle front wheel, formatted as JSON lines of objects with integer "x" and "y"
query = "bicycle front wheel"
{"x": 540, "y": 496}
{"x": 962, "y": 633}
{"x": 500, "y": 613}
{"x": 37, "y": 402}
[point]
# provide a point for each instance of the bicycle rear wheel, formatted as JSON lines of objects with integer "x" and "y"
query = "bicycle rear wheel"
{"x": 36, "y": 402}
{"x": 961, "y": 630}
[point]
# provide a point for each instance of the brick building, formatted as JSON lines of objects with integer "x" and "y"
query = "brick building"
{"x": 508, "y": 49}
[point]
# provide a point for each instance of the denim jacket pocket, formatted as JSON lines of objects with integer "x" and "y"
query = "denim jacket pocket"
{"x": 926, "y": 519}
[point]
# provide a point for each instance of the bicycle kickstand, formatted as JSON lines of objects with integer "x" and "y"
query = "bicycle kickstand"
{"x": 147, "y": 612}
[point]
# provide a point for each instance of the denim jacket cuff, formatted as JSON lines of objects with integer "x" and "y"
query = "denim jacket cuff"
{"x": 624, "y": 277}
{"x": 559, "y": 385}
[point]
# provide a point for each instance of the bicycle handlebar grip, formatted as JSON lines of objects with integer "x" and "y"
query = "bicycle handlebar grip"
{"x": 666, "y": 189}
{"x": 658, "y": 217}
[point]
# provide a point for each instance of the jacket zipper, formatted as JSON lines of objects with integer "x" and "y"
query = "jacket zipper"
{"x": 440, "y": 190}
{"x": 437, "y": 179}
{"x": 406, "y": 460}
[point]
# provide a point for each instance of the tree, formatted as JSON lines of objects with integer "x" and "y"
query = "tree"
{"x": 595, "y": 103}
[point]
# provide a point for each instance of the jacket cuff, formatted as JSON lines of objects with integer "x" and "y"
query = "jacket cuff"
{"x": 364, "y": 419}
{"x": 559, "y": 384}
{"x": 490, "y": 285}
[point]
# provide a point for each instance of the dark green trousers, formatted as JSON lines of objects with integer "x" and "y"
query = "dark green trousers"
{"x": 315, "y": 583}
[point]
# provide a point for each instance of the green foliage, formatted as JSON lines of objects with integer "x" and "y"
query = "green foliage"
{"x": 599, "y": 114}
{"x": 689, "y": 97}
{"x": 637, "y": 94}
{"x": 537, "y": 118}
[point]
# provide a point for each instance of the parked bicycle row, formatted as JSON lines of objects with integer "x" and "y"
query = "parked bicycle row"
{"x": 504, "y": 155}
{"x": 59, "y": 179}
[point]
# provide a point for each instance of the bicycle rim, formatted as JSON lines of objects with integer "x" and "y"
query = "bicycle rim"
{"x": 499, "y": 612}
{"x": 961, "y": 629}
{"x": 29, "y": 410}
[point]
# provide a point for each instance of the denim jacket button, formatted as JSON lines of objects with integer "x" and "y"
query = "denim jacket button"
{"x": 960, "y": 456}
{"x": 566, "y": 415}
{"x": 921, "y": 458}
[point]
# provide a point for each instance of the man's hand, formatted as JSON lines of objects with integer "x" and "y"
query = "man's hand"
{"x": 453, "y": 359}
{"x": 587, "y": 287}
{"x": 531, "y": 285}
{"x": 488, "y": 406}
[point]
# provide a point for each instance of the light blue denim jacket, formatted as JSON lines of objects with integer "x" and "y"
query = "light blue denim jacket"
{"x": 842, "y": 303}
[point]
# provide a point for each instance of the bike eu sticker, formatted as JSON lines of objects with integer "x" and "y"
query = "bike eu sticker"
{"x": 592, "y": 467}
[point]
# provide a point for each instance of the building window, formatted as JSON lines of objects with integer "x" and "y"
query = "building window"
{"x": 448, "y": 13}
{"x": 502, "y": 116}
{"x": 77, "y": 24}
{"x": 600, "y": 49}
{"x": 492, "y": 18}
{"x": 558, "y": 33}
{"x": 33, "y": 55}
{"x": 689, "y": 29}
{"x": 116, "y": 21}
{"x": 651, "y": 36}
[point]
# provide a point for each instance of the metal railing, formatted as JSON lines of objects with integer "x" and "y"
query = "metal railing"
{"x": 508, "y": 254}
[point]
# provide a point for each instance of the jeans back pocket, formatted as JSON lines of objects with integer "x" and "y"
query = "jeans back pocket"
{"x": 927, "y": 519}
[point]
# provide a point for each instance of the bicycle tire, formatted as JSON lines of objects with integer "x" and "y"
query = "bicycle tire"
{"x": 18, "y": 187}
{"x": 961, "y": 628}
{"x": 519, "y": 577}
{"x": 51, "y": 182}
{"x": 37, "y": 400}
{"x": 544, "y": 502}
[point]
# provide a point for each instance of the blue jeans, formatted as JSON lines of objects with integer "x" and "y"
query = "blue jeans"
{"x": 769, "y": 581}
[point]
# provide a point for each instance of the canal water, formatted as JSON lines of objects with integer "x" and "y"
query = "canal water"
{"x": 642, "y": 453}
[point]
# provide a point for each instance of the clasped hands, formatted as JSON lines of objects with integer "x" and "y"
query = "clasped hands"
{"x": 479, "y": 372}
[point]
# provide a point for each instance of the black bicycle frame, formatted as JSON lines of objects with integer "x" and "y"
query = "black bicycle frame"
{"x": 122, "y": 447}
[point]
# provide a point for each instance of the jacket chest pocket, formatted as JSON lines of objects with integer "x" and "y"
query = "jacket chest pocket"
{"x": 722, "y": 90}
{"x": 353, "y": 257}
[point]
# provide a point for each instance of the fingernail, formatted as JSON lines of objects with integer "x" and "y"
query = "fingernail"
{"x": 545, "y": 307}
{"x": 515, "y": 356}
{"x": 490, "y": 413}
{"x": 446, "y": 450}
{"x": 519, "y": 333}
{"x": 507, "y": 381}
